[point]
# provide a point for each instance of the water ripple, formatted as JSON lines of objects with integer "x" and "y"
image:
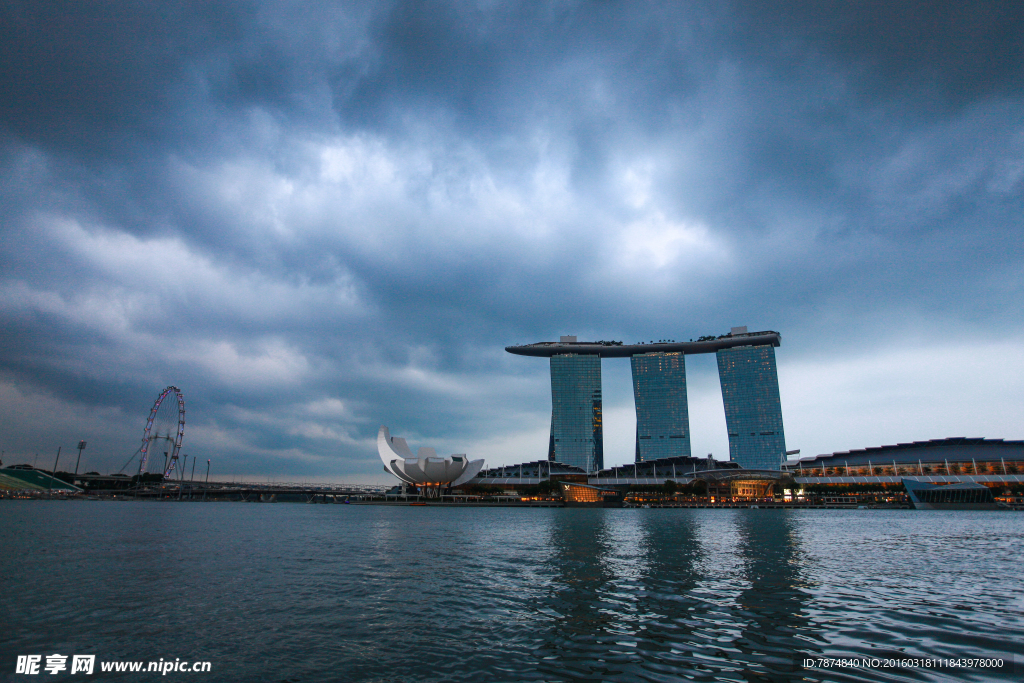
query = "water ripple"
{"x": 353, "y": 593}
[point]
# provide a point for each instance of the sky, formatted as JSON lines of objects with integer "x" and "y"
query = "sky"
{"x": 315, "y": 219}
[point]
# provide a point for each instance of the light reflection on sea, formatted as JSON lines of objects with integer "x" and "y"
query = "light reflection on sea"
{"x": 293, "y": 592}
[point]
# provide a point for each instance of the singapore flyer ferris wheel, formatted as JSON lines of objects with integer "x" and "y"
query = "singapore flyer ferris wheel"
{"x": 148, "y": 436}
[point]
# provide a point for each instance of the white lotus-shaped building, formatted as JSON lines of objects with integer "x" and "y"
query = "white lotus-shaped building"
{"x": 426, "y": 468}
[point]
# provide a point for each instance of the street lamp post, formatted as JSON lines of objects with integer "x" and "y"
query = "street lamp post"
{"x": 81, "y": 447}
{"x": 181, "y": 477}
{"x": 53, "y": 474}
{"x": 207, "y": 478}
{"x": 191, "y": 478}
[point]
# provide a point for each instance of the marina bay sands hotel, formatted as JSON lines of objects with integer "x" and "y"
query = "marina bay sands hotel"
{"x": 750, "y": 392}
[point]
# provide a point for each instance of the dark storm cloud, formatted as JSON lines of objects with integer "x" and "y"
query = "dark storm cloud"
{"x": 91, "y": 77}
{"x": 943, "y": 54}
{"x": 315, "y": 221}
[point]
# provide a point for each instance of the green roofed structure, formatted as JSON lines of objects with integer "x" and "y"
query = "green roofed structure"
{"x": 16, "y": 479}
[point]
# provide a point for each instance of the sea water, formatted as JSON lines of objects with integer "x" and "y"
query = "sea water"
{"x": 293, "y": 592}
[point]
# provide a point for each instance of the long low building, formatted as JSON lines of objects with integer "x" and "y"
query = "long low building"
{"x": 681, "y": 469}
{"x": 529, "y": 474}
{"x": 719, "y": 479}
{"x": 994, "y": 463}
{"x": 25, "y": 478}
{"x": 957, "y": 457}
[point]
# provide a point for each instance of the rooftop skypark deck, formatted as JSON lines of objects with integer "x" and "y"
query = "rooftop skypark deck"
{"x": 612, "y": 349}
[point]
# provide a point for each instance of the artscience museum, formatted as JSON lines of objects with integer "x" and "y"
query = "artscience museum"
{"x": 425, "y": 469}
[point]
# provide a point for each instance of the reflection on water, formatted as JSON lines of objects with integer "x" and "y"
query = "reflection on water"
{"x": 655, "y": 594}
{"x": 352, "y": 593}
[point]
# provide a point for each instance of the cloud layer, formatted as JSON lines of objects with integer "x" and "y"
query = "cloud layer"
{"x": 316, "y": 221}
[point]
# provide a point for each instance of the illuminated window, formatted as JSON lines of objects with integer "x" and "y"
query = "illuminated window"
{"x": 576, "y": 493}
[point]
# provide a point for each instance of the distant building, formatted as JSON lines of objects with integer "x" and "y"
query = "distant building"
{"x": 662, "y": 414}
{"x": 753, "y": 410}
{"x": 530, "y": 473}
{"x": 936, "y": 474}
{"x": 750, "y": 392}
{"x": 425, "y": 469}
{"x": 577, "y": 434}
{"x": 952, "y": 457}
{"x": 585, "y": 495}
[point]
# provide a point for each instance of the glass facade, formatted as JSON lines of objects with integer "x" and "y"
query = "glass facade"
{"x": 576, "y": 428}
{"x": 581, "y": 494}
{"x": 753, "y": 410}
{"x": 662, "y": 417}
{"x": 586, "y": 495}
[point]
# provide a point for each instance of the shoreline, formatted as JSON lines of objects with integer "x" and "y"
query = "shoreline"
{"x": 760, "y": 505}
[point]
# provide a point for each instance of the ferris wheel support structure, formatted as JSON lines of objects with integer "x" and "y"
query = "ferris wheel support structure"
{"x": 147, "y": 436}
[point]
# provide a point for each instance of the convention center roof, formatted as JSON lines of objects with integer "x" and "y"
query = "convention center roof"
{"x": 954, "y": 449}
